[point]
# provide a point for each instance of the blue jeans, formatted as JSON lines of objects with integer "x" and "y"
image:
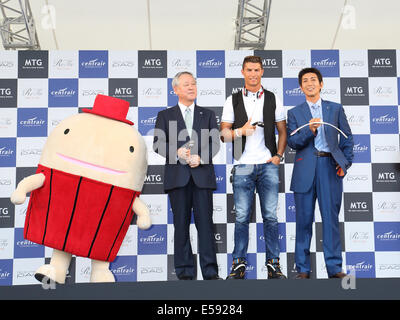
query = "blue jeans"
{"x": 265, "y": 179}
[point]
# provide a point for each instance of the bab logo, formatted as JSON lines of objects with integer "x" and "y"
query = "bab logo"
{"x": 292, "y": 93}
{"x": 384, "y": 119}
{"x": 24, "y": 248}
{"x": 6, "y": 267}
{"x": 220, "y": 174}
{"x": 210, "y": 64}
{"x": 124, "y": 268}
{"x": 326, "y": 61}
{"x": 32, "y": 122}
{"x": 7, "y": 152}
{"x": 153, "y": 240}
{"x": 93, "y": 64}
{"x": 363, "y": 263}
{"x": 251, "y": 266}
{"x": 63, "y": 92}
{"x": 147, "y": 119}
{"x": 290, "y": 208}
{"x": 261, "y": 237}
{"x": 172, "y": 97}
{"x": 387, "y": 236}
{"x": 361, "y": 148}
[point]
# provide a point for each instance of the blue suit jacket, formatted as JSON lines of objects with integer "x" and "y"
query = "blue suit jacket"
{"x": 171, "y": 134}
{"x": 303, "y": 142}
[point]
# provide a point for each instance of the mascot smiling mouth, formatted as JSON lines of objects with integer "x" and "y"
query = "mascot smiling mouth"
{"x": 90, "y": 165}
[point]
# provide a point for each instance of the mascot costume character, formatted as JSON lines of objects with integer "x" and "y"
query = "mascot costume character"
{"x": 86, "y": 190}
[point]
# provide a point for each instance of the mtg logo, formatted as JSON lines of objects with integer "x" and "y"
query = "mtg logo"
{"x": 386, "y": 177}
{"x": 358, "y": 206}
{"x": 8, "y": 93}
{"x": 233, "y": 85}
{"x": 154, "y": 180}
{"x": 33, "y": 64}
{"x": 272, "y": 62}
{"x": 152, "y": 64}
{"x": 382, "y": 63}
{"x": 7, "y": 212}
{"x": 354, "y": 91}
{"x": 126, "y": 89}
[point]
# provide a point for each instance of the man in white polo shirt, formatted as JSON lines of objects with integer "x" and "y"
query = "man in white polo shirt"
{"x": 249, "y": 119}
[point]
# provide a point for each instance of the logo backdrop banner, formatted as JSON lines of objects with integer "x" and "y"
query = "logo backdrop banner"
{"x": 38, "y": 89}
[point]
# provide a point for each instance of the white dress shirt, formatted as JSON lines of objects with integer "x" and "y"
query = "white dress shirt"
{"x": 255, "y": 151}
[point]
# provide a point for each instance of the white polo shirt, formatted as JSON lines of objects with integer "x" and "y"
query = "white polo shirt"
{"x": 255, "y": 151}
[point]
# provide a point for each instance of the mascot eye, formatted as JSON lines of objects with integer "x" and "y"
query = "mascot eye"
{"x": 66, "y": 131}
{"x": 131, "y": 149}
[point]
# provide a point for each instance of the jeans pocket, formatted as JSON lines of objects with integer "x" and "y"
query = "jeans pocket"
{"x": 243, "y": 169}
{"x": 274, "y": 165}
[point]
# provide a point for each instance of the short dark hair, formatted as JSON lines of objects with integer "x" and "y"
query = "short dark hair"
{"x": 253, "y": 59}
{"x": 310, "y": 70}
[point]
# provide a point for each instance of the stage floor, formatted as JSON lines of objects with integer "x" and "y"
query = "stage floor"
{"x": 312, "y": 289}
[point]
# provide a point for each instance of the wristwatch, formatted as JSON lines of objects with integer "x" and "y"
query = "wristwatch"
{"x": 281, "y": 158}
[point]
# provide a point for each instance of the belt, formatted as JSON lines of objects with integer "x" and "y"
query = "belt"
{"x": 322, "y": 154}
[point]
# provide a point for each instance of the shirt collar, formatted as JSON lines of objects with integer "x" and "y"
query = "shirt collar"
{"x": 318, "y": 103}
{"x": 183, "y": 108}
{"x": 258, "y": 94}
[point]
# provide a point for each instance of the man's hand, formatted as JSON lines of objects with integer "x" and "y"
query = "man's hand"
{"x": 194, "y": 161}
{"x": 184, "y": 153}
{"x": 275, "y": 160}
{"x": 247, "y": 129}
{"x": 339, "y": 171}
{"x": 314, "y": 126}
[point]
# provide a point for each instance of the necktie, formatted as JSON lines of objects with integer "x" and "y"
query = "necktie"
{"x": 318, "y": 141}
{"x": 188, "y": 121}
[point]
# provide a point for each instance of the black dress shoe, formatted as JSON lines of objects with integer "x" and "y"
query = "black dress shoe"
{"x": 339, "y": 275}
{"x": 214, "y": 277}
{"x": 185, "y": 278}
{"x": 302, "y": 275}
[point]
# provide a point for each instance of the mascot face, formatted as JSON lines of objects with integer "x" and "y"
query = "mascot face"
{"x": 98, "y": 148}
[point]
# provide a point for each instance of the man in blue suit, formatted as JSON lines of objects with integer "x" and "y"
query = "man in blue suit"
{"x": 321, "y": 162}
{"x": 187, "y": 136}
